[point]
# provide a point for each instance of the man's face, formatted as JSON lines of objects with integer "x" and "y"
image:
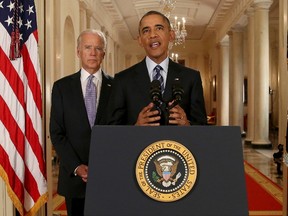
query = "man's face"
{"x": 91, "y": 52}
{"x": 154, "y": 37}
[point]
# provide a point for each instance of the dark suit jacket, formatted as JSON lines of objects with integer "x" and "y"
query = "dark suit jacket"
{"x": 70, "y": 130}
{"x": 130, "y": 93}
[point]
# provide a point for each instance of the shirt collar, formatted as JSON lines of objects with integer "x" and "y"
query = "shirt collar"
{"x": 85, "y": 74}
{"x": 151, "y": 65}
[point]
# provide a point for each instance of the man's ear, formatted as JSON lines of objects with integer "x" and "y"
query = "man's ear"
{"x": 78, "y": 52}
{"x": 172, "y": 35}
{"x": 139, "y": 41}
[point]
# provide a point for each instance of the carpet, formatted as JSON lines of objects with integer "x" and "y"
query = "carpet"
{"x": 264, "y": 196}
{"x": 59, "y": 207}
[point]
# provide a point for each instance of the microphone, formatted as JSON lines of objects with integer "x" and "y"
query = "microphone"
{"x": 177, "y": 90}
{"x": 156, "y": 96}
{"x": 155, "y": 91}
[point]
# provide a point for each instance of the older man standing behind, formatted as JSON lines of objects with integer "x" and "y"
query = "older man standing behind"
{"x": 79, "y": 102}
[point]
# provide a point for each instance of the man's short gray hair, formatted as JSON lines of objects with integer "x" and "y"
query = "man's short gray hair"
{"x": 93, "y": 31}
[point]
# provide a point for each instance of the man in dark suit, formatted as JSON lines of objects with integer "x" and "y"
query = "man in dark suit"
{"x": 130, "y": 92}
{"x": 70, "y": 124}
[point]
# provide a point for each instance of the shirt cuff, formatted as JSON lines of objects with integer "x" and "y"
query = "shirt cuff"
{"x": 75, "y": 171}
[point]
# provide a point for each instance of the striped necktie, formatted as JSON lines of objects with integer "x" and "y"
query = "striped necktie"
{"x": 157, "y": 76}
{"x": 90, "y": 100}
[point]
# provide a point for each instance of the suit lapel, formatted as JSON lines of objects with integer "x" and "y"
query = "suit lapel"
{"x": 77, "y": 89}
{"x": 174, "y": 72}
{"x": 78, "y": 96}
{"x": 104, "y": 97}
{"x": 141, "y": 78}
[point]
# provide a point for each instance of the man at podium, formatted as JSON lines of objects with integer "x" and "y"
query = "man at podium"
{"x": 176, "y": 91}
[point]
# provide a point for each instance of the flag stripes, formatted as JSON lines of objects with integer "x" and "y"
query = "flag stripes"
{"x": 14, "y": 181}
{"x": 33, "y": 81}
{"x": 27, "y": 179}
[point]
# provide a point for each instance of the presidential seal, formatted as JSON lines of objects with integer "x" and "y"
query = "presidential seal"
{"x": 166, "y": 171}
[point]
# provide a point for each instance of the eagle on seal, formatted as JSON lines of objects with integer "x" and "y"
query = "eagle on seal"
{"x": 166, "y": 167}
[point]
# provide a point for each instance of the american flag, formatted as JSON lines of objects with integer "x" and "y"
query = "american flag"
{"x": 22, "y": 164}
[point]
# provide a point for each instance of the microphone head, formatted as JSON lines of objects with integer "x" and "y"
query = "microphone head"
{"x": 177, "y": 90}
{"x": 155, "y": 91}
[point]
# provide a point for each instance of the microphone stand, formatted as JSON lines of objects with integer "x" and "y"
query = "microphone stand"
{"x": 166, "y": 114}
{"x": 161, "y": 105}
{"x": 167, "y": 110}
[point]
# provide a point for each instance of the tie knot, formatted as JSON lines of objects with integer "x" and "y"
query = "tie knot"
{"x": 90, "y": 79}
{"x": 158, "y": 68}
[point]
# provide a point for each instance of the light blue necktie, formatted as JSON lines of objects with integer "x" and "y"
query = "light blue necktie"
{"x": 90, "y": 100}
{"x": 157, "y": 76}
